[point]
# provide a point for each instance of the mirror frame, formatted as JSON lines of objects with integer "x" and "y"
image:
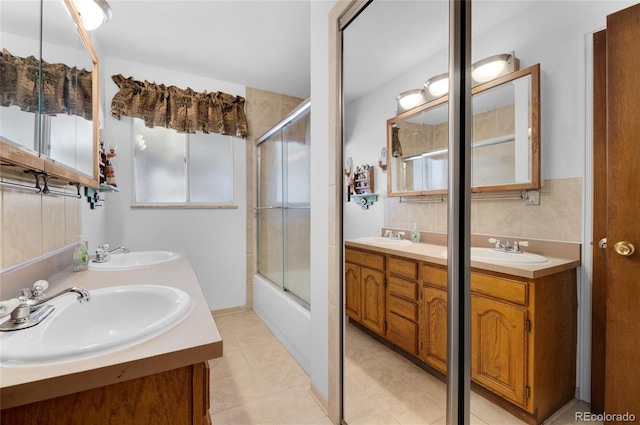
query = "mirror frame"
{"x": 532, "y": 71}
{"x": 33, "y": 161}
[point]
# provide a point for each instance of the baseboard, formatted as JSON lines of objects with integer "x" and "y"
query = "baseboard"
{"x": 322, "y": 402}
{"x": 230, "y": 310}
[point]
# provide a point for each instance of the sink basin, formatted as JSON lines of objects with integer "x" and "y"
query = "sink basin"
{"x": 490, "y": 255}
{"x": 115, "y": 318}
{"x": 135, "y": 260}
{"x": 383, "y": 241}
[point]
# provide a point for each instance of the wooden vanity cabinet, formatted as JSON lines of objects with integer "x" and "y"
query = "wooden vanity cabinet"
{"x": 499, "y": 328}
{"x": 433, "y": 317}
{"x": 402, "y": 304}
{"x": 178, "y": 396}
{"x": 523, "y": 331}
{"x": 523, "y": 336}
{"x": 365, "y": 284}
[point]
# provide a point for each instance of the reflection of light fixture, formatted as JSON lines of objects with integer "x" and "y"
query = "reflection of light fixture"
{"x": 93, "y": 13}
{"x": 140, "y": 143}
{"x": 493, "y": 67}
{"x": 482, "y": 71}
{"x": 382, "y": 160}
{"x": 438, "y": 86}
{"x": 348, "y": 166}
{"x": 410, "y": 99}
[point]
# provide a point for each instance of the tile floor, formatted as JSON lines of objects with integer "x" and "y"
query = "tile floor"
{"x": 258, "y": 382}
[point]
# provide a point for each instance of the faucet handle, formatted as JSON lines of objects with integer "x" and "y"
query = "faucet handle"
{"x": 37, "y": 293}
{"x": 7, "y": 306}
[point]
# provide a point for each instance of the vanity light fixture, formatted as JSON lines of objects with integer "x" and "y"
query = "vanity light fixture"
{"x": 482, "y": 71}
{"x": 493, "y": 67}
{"x": 93, "y": 13}
{"x": 437, "y": 86}
{"x": 410, "y": 99}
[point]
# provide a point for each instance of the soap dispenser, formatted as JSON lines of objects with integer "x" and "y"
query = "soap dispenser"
{"x": 415, "y": 234}
{"x": 80, "y": 257}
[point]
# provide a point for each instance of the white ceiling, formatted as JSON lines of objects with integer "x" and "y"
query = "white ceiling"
{"x": 262, "y": 44}
{"x": 266, "y": 43}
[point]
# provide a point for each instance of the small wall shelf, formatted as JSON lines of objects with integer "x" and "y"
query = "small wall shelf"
{"x": 361, "y": 186}
{"x": 365, "y": 199}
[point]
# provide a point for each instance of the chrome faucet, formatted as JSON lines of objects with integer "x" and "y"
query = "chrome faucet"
{"x": 507, "y": 247}
{"x": 393, "y": 235}
{"x": 103, "y": 253}
{"x": 30, "y": 307}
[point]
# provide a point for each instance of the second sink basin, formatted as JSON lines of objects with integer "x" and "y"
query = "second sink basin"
{"x": 135, "y": 260}
{"x": 490, "y": 255}
{"x": 383, "y": 241}
{"x": 115, "y": 318}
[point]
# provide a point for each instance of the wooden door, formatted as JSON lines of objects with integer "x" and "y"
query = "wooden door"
{"x": 433, "y": 327}
{"x": 622, "y": 373}
{"x": 498, "y": 348}
{"x": 352, "y": 292}
{"x": 373, "y": 299}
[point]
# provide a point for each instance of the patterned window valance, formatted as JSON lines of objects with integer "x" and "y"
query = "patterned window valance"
{"x": 182, "y": 110}
{"x": 65, "y": 89}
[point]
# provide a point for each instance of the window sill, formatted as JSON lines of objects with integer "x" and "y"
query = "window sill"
{"x": 186, "y": 206}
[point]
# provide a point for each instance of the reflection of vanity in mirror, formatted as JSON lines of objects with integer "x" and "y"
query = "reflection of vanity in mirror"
{"x": 49, "y": 114}
{"x": 505, "y": 140}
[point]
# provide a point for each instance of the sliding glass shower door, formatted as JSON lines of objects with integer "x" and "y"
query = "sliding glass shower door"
{"x": 283, "y": 209}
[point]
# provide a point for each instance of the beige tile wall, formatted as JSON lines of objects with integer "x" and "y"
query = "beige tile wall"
{"x": 264, "y": 110}
{"x": 34, "y": 225}
{"x": 558, "y": 217}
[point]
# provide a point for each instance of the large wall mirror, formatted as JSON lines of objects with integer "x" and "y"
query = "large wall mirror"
{"x": 49, "y": 117}
{"x": 505, "y": 136}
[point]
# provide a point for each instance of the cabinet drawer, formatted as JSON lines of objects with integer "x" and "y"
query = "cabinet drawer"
{"x": 403, "y": 267}
{"x": 364, "y": 258}
{"x": 403, "y": 308}
{"x": 497, "y": 287}
{"x": 434, "y": 275}
{"x": 403, "y": 288}
{"x": 402, "y": 333}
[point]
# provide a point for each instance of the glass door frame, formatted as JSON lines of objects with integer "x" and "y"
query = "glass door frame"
{"x": 459, "y": 200}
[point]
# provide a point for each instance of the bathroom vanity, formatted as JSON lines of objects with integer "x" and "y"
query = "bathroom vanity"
{"x": 523, "y": 319}
{"x": 162, "y": 380}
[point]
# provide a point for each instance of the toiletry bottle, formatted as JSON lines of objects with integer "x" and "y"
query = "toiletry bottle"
{"x": 415, "y": 234}
{"x": 80, "y": 257}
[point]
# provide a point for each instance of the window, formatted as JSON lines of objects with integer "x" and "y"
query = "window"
{"x": 171, "y": 168}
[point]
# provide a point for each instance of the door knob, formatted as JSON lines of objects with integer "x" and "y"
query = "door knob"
{"x": 602, "y": 243}
{"x": 624, "y": 248}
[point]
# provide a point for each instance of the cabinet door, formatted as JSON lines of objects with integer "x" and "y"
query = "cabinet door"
{"x": 498, "y": 348}
{"x": 352, "y": 292}
{"x": 373, "y": 297}
{"x": 433, "y": 327}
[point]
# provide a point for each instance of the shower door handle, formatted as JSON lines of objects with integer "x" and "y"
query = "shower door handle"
{"x": 266, "y": 208}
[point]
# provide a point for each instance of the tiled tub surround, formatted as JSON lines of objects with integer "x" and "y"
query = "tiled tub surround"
{"x": 264, "y": 110}
{"x": 558, "y": 217}
{"x": 194, "y": 340}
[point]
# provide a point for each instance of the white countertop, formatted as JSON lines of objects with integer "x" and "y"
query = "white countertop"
{"x": 194, "y": 340}
{"x": 432, "y": 253}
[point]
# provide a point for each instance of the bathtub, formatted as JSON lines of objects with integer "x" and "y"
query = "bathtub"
{"x": 287, "y": 319}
